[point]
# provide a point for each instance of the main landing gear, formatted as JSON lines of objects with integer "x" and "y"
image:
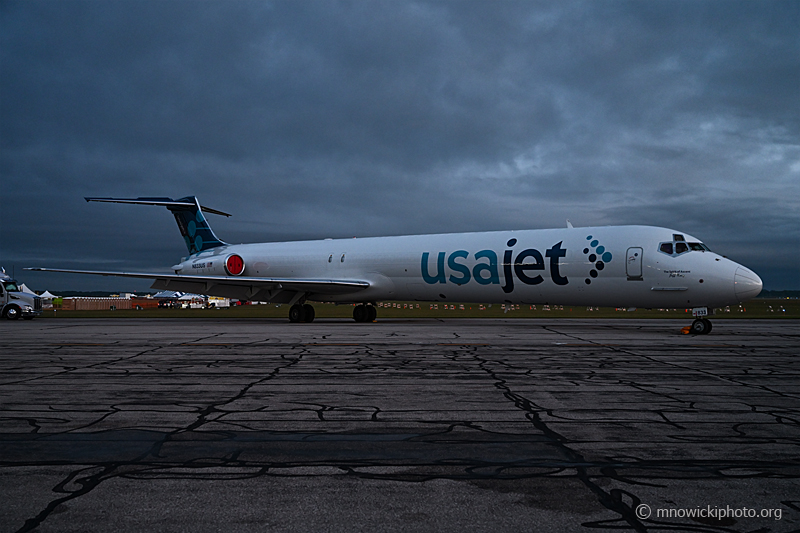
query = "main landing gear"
{"x": 701, "y": 326}
{"x": 301, "y": 313}
{"x": 365, "y": 313}
{"x": 305, "y": 313}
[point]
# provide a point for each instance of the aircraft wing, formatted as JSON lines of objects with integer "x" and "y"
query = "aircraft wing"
{"x": 266, "y": 289}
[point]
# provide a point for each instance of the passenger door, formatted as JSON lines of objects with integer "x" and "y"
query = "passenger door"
{"x": 633, "y": 264}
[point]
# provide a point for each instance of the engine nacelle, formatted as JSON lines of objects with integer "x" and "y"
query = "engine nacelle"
{"x": 231, "y": 264}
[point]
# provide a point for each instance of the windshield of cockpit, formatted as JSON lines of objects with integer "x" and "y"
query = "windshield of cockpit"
{"x": 11, "y": 286}
{"x": 678, "y": 246}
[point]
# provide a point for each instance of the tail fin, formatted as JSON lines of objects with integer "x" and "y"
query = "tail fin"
{"x": 188, "y": 214}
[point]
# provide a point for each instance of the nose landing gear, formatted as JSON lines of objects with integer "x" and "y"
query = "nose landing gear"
{"x": 701, "y": 326}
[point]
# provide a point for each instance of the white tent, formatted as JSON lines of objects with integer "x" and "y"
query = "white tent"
{"x": 24, "y": 288}
{"x": 47, "y": 295}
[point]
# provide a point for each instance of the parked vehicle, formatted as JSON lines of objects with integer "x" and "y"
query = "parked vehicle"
{"x": 15, "y": 303}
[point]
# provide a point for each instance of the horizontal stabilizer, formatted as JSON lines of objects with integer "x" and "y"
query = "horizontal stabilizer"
{"x": 197, "y": 234}
{"x": 165, "y": 202}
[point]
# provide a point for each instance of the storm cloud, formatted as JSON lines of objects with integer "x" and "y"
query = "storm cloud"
{"x": 338, "y": 119}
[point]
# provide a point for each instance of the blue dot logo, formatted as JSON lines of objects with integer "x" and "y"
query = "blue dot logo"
{"x": 598, "y": 256}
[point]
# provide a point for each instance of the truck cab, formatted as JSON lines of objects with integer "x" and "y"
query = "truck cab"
{"x": 15, "y": 303}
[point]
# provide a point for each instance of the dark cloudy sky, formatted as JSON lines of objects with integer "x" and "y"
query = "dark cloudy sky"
{"x": 336, "y": 119}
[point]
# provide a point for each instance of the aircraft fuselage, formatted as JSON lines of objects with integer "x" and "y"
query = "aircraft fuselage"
{"x": 616, "y": 266}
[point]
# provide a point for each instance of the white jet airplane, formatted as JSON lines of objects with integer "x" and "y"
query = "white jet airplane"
{"x": 609, "y": 266}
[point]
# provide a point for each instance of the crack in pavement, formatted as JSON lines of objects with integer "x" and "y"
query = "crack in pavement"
{"x": 88, "y": 483}
{"x": 612, "y": 501}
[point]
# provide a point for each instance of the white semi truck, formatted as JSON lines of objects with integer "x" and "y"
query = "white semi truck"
{"x": 15, "y": 303}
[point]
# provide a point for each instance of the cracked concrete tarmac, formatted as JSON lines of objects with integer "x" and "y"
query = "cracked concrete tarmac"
{"x": 450, "y": 425}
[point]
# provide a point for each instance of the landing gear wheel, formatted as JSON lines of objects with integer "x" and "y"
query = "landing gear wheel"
{"x": 12, "y": 313}
{"x": 360, "y": 313}
{"x": 309, "y": 314}
{"x": 372, "y": 313}
{"x": 297, "y": 313}
{"x": 701, "y": 326}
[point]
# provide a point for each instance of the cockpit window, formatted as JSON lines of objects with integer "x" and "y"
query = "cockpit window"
{"x": 679, "y": 246}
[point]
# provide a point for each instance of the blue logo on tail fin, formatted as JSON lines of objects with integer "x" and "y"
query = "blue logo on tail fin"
{"x": 194, "y": 227}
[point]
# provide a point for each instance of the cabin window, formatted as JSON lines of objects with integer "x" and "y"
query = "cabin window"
{"x": 681, "y": 248}
{"x": 699, "y": 247}
{"x": 678, "y": 238}
{"x": 666, "y": 247}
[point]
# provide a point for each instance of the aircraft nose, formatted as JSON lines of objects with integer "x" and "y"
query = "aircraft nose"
{"x": 746, "y": 283}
